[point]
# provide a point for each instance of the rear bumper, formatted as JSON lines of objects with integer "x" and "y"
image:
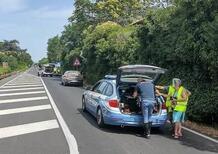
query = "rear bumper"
{"x": 119, "y": 119}
{"x": 47, "y": 74}
{"x": 75, "y": 82}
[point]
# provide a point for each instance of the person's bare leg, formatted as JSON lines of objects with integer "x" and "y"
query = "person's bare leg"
{"x": 180, "y": 129}
{"x": 176, "y": 129}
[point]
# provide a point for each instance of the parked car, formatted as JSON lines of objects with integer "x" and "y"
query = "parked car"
{"x": 110, "y": 99}
{"x": 72, "y": 78}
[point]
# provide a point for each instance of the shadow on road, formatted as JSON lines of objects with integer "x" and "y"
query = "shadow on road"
{"x": 189, "y": 139}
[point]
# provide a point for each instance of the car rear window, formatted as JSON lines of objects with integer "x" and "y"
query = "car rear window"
{"x": 102, "y": 87}
{"x": 109, "y": 90}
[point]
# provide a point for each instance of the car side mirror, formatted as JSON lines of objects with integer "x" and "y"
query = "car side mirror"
{"x": 88, "y": 88}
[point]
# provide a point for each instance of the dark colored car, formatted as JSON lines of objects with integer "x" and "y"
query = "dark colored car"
{"x": 72, "y": 78}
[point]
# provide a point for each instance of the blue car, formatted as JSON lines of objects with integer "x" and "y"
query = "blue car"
{"x": 110, "y": 99}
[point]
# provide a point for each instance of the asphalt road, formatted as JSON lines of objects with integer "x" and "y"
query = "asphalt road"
{"x": 116, "y": 140}
{"x": 32, "y": 127}
{"x": 28, "y": 124}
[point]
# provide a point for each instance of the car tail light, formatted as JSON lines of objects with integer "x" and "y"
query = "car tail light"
{"x": 113, "y": 103}
{"x": 164, "y": 106}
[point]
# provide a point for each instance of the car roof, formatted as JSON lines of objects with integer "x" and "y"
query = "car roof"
{"x": 112, "y": 81}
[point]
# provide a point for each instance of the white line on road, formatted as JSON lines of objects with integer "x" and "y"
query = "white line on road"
{"x": 23, "y": 93}
{"x": 204, "y": 136}
{"x": 25, "y": 109}
{"x": 23, "y": 83}
{"x": 69, "y": 137}
{"x": 22, "y": 99}
{"x": 20, "y": 89}
{"x": 22, "y": 86}
{"x": 28, "y": 128}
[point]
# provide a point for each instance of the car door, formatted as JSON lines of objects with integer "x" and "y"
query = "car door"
{"x": 88, "y": 96}
{"x": 96, "y": 96}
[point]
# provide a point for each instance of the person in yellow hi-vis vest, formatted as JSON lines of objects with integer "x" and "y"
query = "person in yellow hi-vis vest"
{"x": 170, "y": 90}
{"x": 180, "y": 100}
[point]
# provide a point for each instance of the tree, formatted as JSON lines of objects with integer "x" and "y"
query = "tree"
{"x": 43, "y": 61}
{"x": 16, "y": 57}
{"x": 120, "y": 11}
{"x": 55, "y": 48}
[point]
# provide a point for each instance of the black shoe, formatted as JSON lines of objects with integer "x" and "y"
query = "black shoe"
{"x": 146, "y": 130}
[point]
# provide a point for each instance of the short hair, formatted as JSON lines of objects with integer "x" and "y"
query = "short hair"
{"x": 176, "y": 81}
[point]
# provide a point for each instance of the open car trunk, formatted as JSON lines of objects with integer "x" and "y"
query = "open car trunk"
{"x": 130, "y": 105}
{"x": 126, "y": 82}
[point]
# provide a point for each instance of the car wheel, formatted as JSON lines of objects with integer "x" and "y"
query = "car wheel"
{"x": 83, "y": 105}
{"x": 64, "y": 83}
{"x": 100, "y": 119}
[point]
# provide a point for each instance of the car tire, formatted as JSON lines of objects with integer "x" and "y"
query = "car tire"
{"x": 64, "y": 83}
{"x": 83, "y": 105}
{"x": 99, "y": 118}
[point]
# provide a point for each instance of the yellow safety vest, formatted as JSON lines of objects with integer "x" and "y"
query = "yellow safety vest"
{"x": 168, "y": 101}
{"x": 181, "y": 106}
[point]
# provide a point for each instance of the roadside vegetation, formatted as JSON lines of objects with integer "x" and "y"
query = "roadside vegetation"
{"x": 16, "y": 58}
{"x": 178, "y": 35}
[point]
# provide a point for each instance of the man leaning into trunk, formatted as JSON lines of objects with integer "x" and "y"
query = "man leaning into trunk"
{"x": 145, "y": 92}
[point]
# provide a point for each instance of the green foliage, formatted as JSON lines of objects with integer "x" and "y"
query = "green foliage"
{"x": 183, "y": 40}
{"x": 4, "y": 70}
{"x": 107, "y": 47}
{"x": 54, "y": 49}
{"x": 16, "y": 57}
{"x": 44, "y": 61}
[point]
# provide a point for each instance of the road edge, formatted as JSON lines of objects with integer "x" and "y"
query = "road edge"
{"x": 72, "y": 143}
{"x": 10, "y": 81}
{"x": 199, "y": 134}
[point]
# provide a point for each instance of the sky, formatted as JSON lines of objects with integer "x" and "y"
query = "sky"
{"x": 33, "y": 22}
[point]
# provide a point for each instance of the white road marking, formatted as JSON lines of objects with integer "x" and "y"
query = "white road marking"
{"x": 23, "y": 93}
{"x": 23, "y": 83}
{"x": 25, "y": 109}
{"x": 28, "y": 128}
{"x": 204, "y": 136}
{"x": 20, "y": 89}
{"x": 69, "y": 137}
{"x": 22, "y": 86}
{"x": 22, "y": 99}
